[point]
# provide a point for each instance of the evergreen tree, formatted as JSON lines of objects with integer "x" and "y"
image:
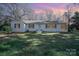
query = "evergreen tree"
{"x": 76, "y": 20}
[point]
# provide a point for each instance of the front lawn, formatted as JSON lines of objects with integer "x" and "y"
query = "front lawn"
{"x": 39, "y": 44}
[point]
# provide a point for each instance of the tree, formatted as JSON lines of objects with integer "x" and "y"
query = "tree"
{"x": 76, "y": 20}
{"x": 16, "y": 12}
{"x": 1, "y": 16}
{"x": 49, "y": 15}
{"x": 70, "y": 10}
{"x": 12, "y": 11}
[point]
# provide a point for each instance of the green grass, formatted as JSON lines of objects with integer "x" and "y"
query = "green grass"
{"x": 40, "y": 44}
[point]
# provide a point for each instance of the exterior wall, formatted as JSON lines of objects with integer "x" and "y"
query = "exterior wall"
{"x": 57, "y": 29}
{"x": 42, "y": 27}
{"x": 37, "y": 27}
{"x": 21, "y": 29}
{"x": 31, "y": 29}
{"x": 65, "y": 29}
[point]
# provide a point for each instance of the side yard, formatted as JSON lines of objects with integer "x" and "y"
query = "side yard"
{"x": 39, "y": 44}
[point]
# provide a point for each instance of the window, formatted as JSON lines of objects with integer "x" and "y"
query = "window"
{"x": 18, "y": 25}
{"x": 14, "y": 25}
{"x": 51, "y": 25}
{"x": 46, "y": 25}
{"x": 31, "y": 25}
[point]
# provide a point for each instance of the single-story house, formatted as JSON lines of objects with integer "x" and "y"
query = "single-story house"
{"x": 58, "y": 25}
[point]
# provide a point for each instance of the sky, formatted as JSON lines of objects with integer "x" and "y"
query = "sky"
{"x": 57, "y": 8}
{"x": 46, "y": 5}
{"x": 54, "y": 7}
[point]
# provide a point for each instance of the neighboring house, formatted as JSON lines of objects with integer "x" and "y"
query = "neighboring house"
{"x": 60, "y": 24}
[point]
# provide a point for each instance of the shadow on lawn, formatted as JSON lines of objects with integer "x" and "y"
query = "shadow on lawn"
{"x": 40, "y": 45}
